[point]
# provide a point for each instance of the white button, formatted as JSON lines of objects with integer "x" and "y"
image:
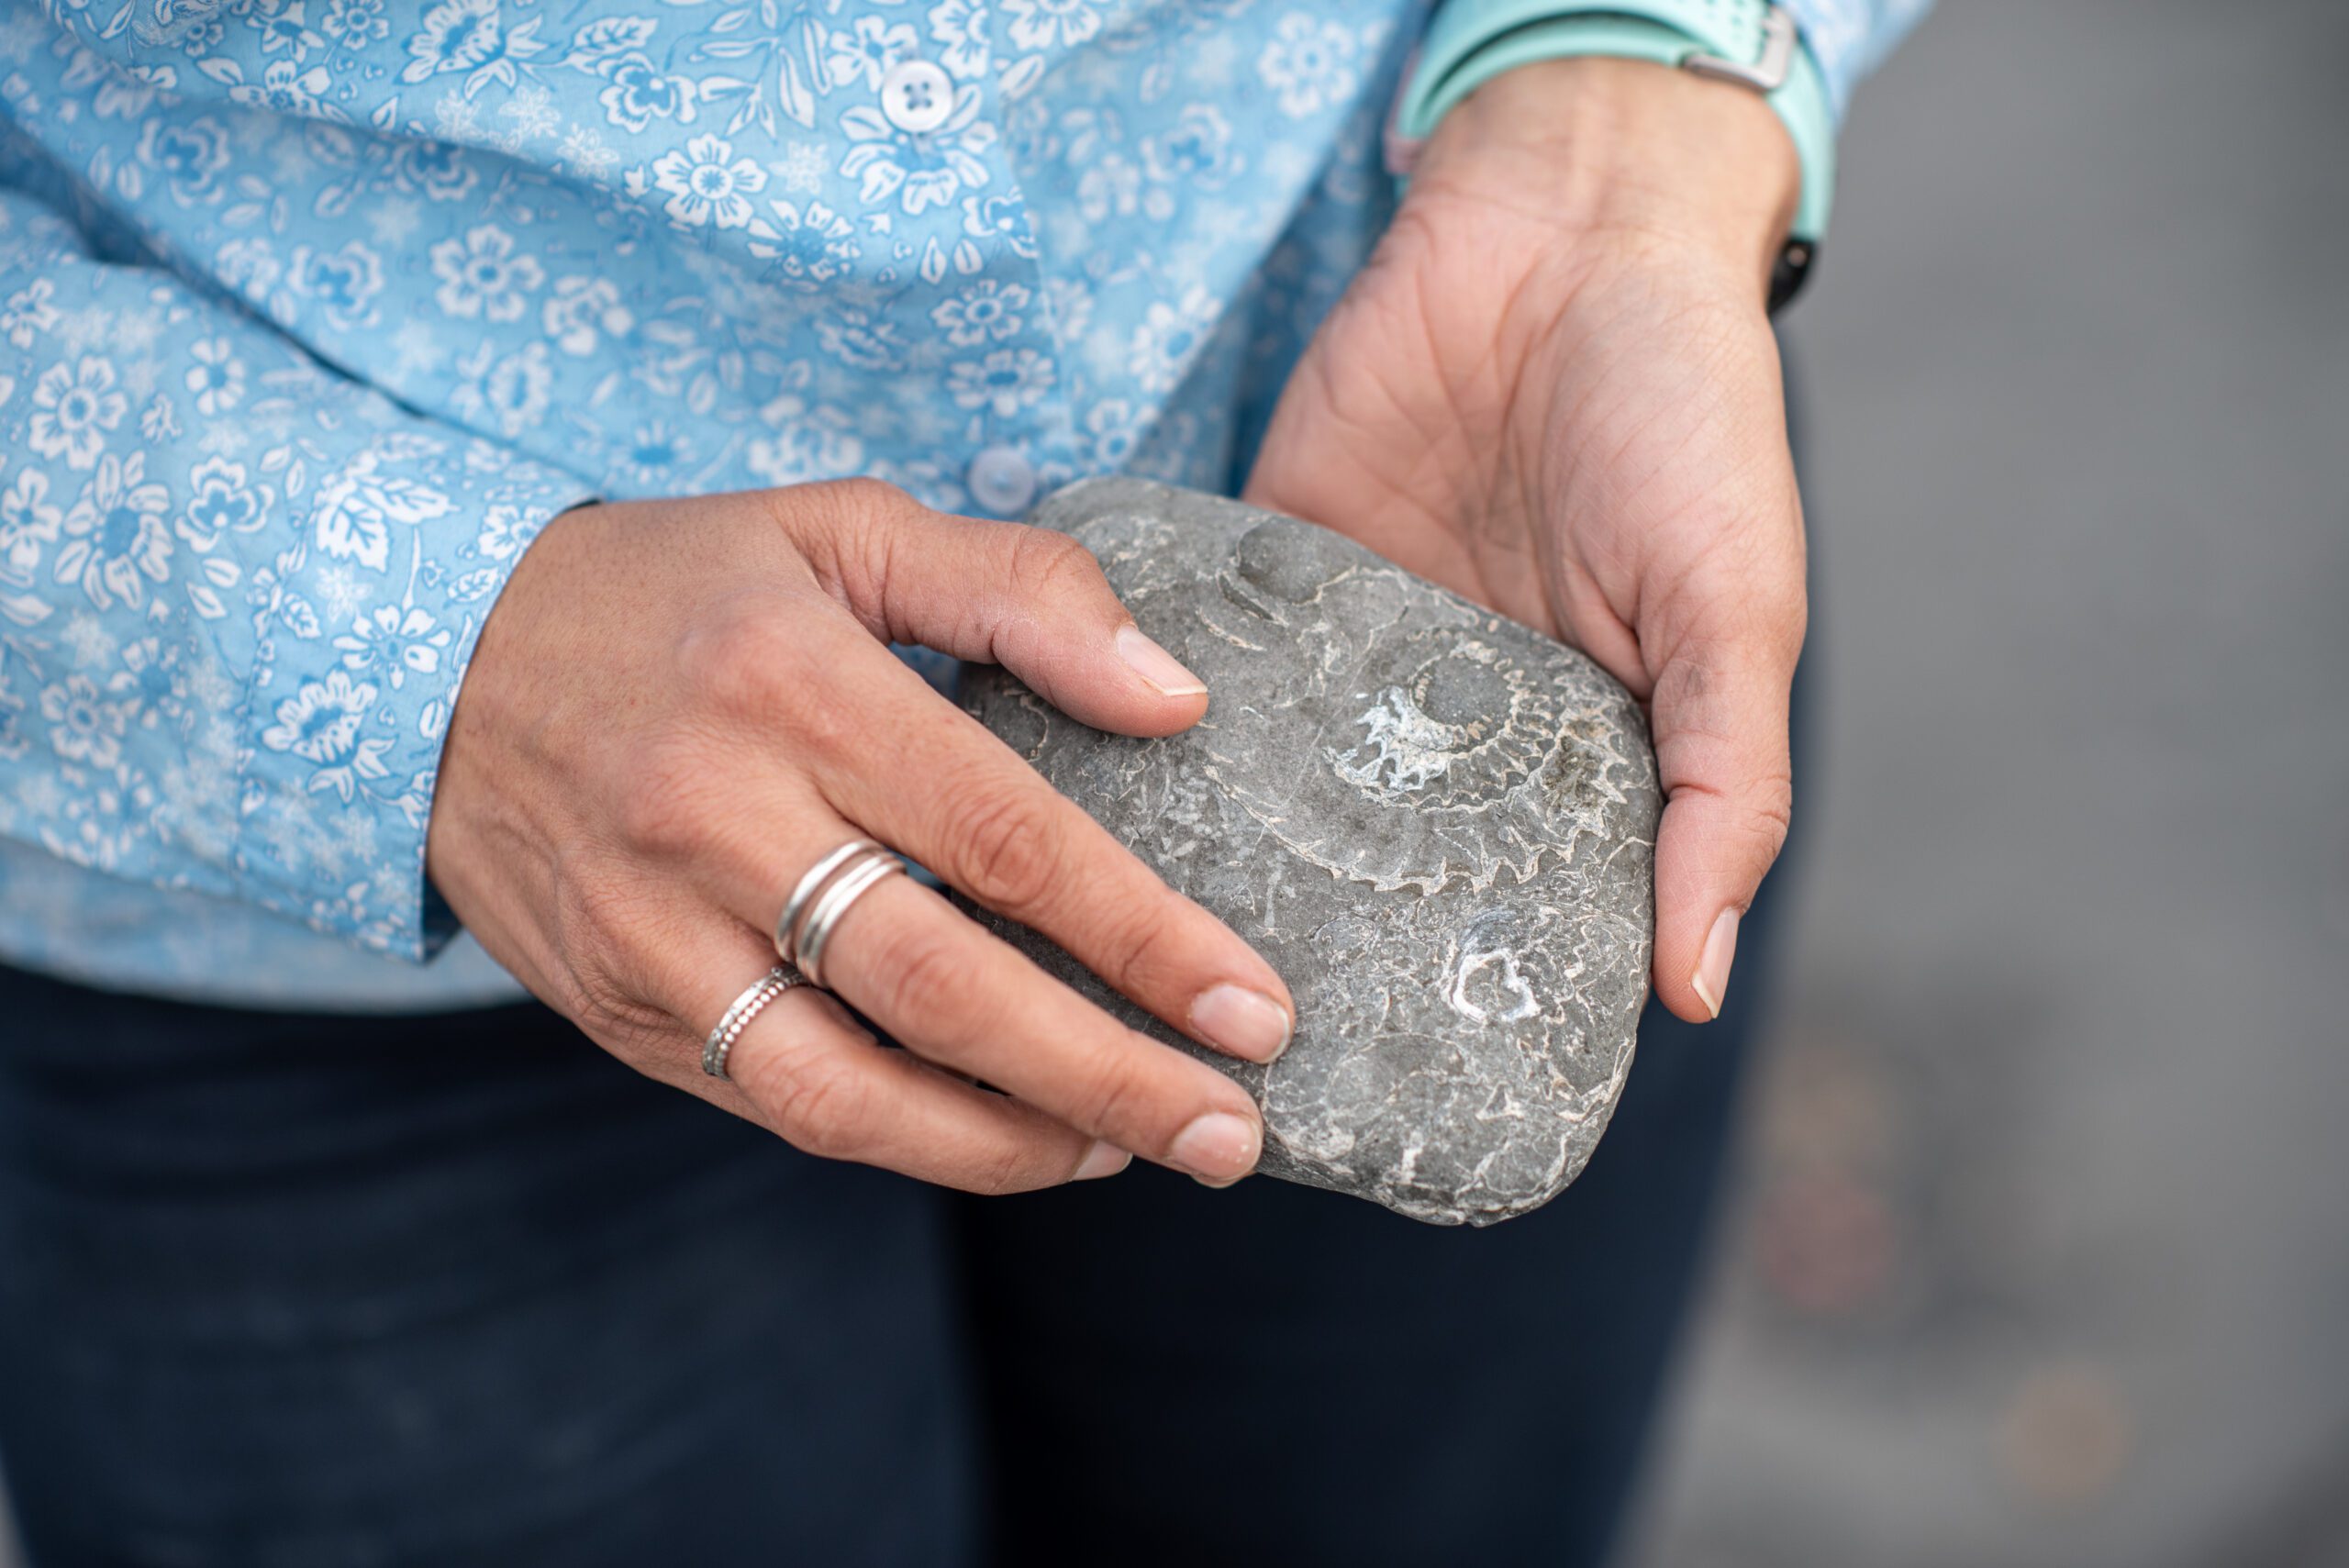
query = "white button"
{"x": 1001, "y": 480}
{"x": 917, "y": 95}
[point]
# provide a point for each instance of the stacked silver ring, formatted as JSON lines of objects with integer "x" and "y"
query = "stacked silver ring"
{"x": 719, "y": 1044}
{"x": 823, "y": 896}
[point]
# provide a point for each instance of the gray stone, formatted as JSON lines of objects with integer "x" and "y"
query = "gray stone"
{"x": 1438, "y": 825}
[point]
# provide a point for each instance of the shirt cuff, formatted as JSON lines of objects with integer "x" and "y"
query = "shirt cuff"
{"x": 341, "y": 744}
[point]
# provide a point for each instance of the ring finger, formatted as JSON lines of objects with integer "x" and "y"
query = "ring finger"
{"x": 805, "y": 1071}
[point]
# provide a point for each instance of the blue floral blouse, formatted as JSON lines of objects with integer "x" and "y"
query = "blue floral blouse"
{"x": 312, "y": 312}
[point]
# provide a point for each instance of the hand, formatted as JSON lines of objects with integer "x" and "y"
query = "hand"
{"x": 1554, "y": 389}
{"x": 678, "y": 707}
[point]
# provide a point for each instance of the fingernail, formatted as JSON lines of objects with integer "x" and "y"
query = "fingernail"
{"x": 1104, "y": 1159}
{"x": 1711, "y": 979}
{"x": 1157, "y": 666}
{"x": 1244, "y": 1022}
{"x": 1219, "y": 1149}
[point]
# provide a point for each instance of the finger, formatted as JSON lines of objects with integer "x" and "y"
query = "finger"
{"x": 1719, "y": 720}
{"x": 947, "y": 989}
{"x": 989, "y": 826}
{"x": 1030, "y": 599}
{"x": 806, "y": 1070}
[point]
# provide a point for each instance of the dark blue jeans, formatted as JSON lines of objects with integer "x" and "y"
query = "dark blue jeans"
{"x": 281, "y": 1290}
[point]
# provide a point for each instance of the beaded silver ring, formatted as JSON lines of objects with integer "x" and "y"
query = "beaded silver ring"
{"x": 719, "y": 1044}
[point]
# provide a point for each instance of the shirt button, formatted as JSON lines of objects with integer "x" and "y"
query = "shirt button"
{"x": 917, "y": 95}
{"x": 1002, "y": 480}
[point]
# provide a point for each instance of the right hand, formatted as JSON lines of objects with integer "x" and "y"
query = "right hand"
{"x": 677, "y": 707}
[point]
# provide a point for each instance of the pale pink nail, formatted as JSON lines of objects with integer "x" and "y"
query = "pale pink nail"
{"x": 1244, "y": 1022}
{"x": 1157, "y": 666}
{"x": 1711, "y": 979}
{"x": 1219, "y": 1149}
{"x": 1104, "y": 1159}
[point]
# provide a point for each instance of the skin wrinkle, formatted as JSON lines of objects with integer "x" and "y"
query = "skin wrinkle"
{"x": 1433, "y": 433}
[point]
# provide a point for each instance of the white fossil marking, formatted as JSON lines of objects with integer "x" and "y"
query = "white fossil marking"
{"x": 1505, "y": 978}
{"x": 1407, "y": 750}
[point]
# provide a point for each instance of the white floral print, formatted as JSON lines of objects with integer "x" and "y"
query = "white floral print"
{"x": 342, "y": 284}
{"x": 960, "y": 29}
{"x": 216, "y": 379}
{"x": 74, "y": 410}
{"x": 864, "y": 52}
{"x": 583, "y": 312}
{"x": 919, "y": 169}
{"x": 469, "y": 39}
{"x": 116, "y": 541}
{"x": 640, "y": 93}
{"x": 1169, "y": 338}
{"x": 222, "y": 498}
{"x": 989, "y": 308}
{"x": 1005, "y": 381}
{"x": 84, "y": 726}
{"x": 1043, "y": 24}
{"x": 27, "y": 313}
{"x": 709, "y": 184}
{"x": 27, "y": 524}
{"x": 1308, "y": 63}
{"x": 483, "y": 275}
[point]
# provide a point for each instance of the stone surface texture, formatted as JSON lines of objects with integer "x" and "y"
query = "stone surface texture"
{"x": 1437, "y": 824}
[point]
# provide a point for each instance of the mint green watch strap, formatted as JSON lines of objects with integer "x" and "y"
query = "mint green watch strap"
{"x": 1471, "y": 41}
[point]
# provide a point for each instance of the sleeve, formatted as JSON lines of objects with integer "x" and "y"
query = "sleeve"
{"x": 1847, "y": 38}
{"x": 1850, "y": 39}
{"x": 237, "y": 590}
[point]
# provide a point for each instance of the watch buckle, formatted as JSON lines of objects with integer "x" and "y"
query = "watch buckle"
{"x": 1767, "y": 74}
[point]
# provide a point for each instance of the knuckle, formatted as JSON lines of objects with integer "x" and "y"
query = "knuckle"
{"x": 1130, "y": 947}
{"x": 1045, "y": 566}
{"x": 859, "y": 499}
{"x": 818, "y": 1103}
{"x": 1007, "y": 849}
{"x": 774, "y": 665}
{"x": 924, "y": 983}
{"x": 1113, "y": 1094}
{"x": 859, "y": 522}
{"x": 743, "y": 661}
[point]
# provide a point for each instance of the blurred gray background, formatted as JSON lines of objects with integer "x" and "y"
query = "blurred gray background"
{"x": 2039, "y": 1251}
{"x": 2039, "y": 1246}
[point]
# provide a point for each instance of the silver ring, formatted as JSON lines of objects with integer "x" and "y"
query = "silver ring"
{"x": 816, "y": 932}
{"x": 719, "y": 1044}
{"x": 804, "y": 894}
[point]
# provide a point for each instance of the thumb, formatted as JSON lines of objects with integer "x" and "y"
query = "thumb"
{"x": 1720, "y": 719}
{"x": 1028, "y": 598}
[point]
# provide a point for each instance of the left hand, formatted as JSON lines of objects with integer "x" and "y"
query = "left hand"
{"x": 1554, "y": 389}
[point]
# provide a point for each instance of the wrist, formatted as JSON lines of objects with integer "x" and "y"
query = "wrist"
{"x": 1606, "y": 155}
